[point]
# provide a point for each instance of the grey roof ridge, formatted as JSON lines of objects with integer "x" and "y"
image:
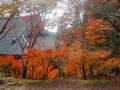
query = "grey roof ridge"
{"x": 5, "y": 32}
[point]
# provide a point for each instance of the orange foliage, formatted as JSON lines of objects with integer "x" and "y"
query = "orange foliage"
{"x": 72, "y": 68}
{"x": 95, "y": 31}
{"x": 113, "y": 63}
{"x": 10, "y": 66}
{"x": 51, "y": 72}
{"x": 40, "y": 65}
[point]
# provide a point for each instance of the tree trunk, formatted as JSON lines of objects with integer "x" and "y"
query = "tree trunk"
{"x": 24, "y": 71}
{"x": 83, "y": 34}
{"x": 44, "y": 76}
{"x": 117, "y": 71}
{"x": 83, "y": 69}
{"x": 83, "y": 52}
{"x": 59, "y": 72}
{"x": 90, "y": 72}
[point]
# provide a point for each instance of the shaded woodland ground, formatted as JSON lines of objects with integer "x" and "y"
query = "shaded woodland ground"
{"x": 15, "y": 84}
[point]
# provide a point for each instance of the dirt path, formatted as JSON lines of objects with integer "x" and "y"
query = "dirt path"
{"x": 63, "y": 85}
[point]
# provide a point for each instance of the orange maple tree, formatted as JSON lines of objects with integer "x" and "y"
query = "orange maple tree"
{"x": 10, "y": 66}
{"x": 40, "y": 65}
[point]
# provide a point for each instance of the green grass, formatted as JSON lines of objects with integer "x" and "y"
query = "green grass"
{"x": 13, "y": 81}
{"x": 0, "y": 75}
{"x": 37, "y": 81}
{"x": 7, "y": 79}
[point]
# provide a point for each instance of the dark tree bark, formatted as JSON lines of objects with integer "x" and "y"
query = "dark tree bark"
{"x": 24, "y": 71}
{"x": 83, "y": 69}
{"x": 90, "y": 72}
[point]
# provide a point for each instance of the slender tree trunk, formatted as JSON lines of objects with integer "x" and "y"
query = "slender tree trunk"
{"x": 114, "y": 25}
{"x": 5, "y": 25}
{"x": 44, "y": 76}
{"x": 90, "y": 72}
{"x": 24, "y": 67}
{"x": 59, "y": 72}
{"x": 83, "y": 52}
{"x": 24, "y": 71}
{"x": 83, "y": 68}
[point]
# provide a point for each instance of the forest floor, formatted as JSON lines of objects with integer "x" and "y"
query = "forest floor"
{"x": 18, "y": 84}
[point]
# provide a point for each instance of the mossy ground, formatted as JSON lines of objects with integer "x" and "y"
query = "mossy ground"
{"x": 63, "y": 84}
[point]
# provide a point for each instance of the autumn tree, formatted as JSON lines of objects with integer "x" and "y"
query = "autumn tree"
{"x": 109, "y": 12}
{"x": 36, "y": 19}
{"x": 40, "y": 65}
{"x": 72, "y": 67}
{"x": 10, "y": 66}
{"x": 9, "y": 10}
{"x": 112, "y": 66}
{"x": 6, "y": 65}
{"x": 75, "y": 21}
{"x": 59, "y": 56}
